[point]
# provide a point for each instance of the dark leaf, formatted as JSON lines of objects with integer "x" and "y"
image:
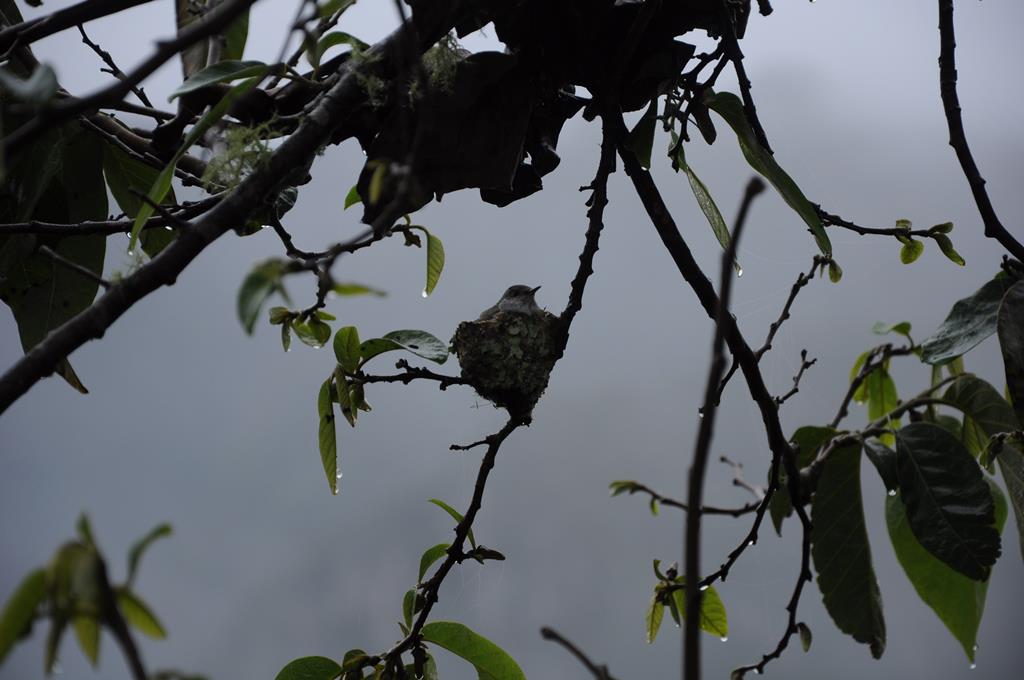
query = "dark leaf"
{"x": 970, "y": 321}
{"x": 641, "y": 137}
{"x": 704, "y": 199}
{"x": 35, "y": 90}
{"x": 1010, "y": 326}
{"x": 884, "y": 460}
{"x": 949, "y": 505}
{"x": 258, "y": 286}
{"x": 235, "y": 37}
{"x": 841, "y": 553}
{"x": 221, "y": 72}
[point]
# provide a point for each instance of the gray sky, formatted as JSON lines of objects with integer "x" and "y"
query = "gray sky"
{"x": 192, "y": 422}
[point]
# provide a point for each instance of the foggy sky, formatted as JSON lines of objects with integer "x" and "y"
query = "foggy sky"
{"x": 192, "y": 422}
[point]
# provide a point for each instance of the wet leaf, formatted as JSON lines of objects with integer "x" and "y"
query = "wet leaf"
{"x": 957, "y": 600}
{"x": 420, "y": 343}
{"x": 327, "y": 435}
{"x": 970, "y": 321}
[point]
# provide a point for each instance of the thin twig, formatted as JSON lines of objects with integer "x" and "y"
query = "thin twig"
{"x": 702, "y": 448}
{"x": 599, "y": 672}
{"x": 112, "y": 66}
{"x": 636, "y": 487}
{"x": 804, "y": 365}
{"x": 74, "y": 266}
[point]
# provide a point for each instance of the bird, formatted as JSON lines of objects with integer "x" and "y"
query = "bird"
{"x": 517, "y": 299}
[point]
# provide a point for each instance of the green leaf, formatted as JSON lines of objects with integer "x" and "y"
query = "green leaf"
{"x": 329, "y": 7}
{"x": 87, "y": 632}
{"x": 314, "y": 332}
{"x": 835, "y": 272}
{"x": 430, "y": 556}
{"x": 350, "y": 289}
{"x": 949, "y": 505}
{"x": 140, "y": 546}
{"x": 957, "y": 600}
{"x": 881, "y": 328}
{"x": 221, "y": 72}
{"x": 880, "y": 392}
{"x": 729, "y": 107}
{"x": 162, "y": 184}
{"x": 327, "y": 436}
{"x": 713, "y": 618}
{"x": 310, "y": 668}
{"x": 1010, "y": 328}
{"x": 335, "y": 38}
{"x": 946, "y": 246}
{"x": 805, "y": 636}
{"x": 235, "y": 37}
{"x": 841, "y": 553}
{"x": 491, "y": 662}
{"x": 127, "y": 177}
{"x": 911, "y": 250}
{"x": 286, "y": 335}
{"x": 641, "y": 137}
{"x": 138, "y": 614}
{"x": 18, "y": 612}
{"x": 456, "y": 515}
{"x": 983, "y": 403}
{"x": 435, "y": 259}
{"x": 262, "y": 282}
{"x": 1011, "y": 465}
{"x": 807, "y": 440}
{"x": 352, "y": 197}
{"x": 58, "y": 625}
{"x": 704, "y": 200}
{"x": 970, "y": 321}
{"x": 278, "y": 315}
{"x": 420, "y": 343}
{"x": 408, "y": 604}
{"x": 36, "y": 90}
{"x": 347, "y": 348}
{"x": 652, "y": 619}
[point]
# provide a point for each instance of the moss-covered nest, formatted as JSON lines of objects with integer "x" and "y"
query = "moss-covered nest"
{"x": 508, "y": 358}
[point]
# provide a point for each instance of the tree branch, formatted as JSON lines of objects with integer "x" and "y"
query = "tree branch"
{"x": 27, "y": 32}
{"x": 599, "y": 672}
{"x": 296, "y": 152}
{"x": 958, "y": 138}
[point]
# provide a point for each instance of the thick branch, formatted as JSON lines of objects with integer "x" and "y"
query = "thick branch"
{"x": 958, "y": 138}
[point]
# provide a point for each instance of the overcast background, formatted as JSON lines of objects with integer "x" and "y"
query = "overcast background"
{"x": 191, "y": 422}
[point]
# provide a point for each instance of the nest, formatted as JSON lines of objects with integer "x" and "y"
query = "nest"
{"x": 508, "y": 358}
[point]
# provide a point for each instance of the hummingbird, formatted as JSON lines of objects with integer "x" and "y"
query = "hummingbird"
{"x": 517, "y": 299}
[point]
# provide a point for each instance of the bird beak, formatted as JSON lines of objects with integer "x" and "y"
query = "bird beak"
{"x": 534, "y": 290}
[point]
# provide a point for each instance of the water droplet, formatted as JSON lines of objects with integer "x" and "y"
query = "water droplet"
{"x": 168, "y": 228}
{"x": 131, "y": 253}
{"x": 739, "y": 272}
{"x": 339, "y": 475}
{"x": 752, "y": 541}
{"x": 724, "y": 638}
{"x": 973, "y": 666}
{"x": 974, "y": 648}
{"x": 757, "y": 672}
{"x": 703, "y": 588}
{"x": 892, "y": 492}
{"x": 424, "y": 293}
{"x": 700, "y": 413}
{"x": 265, "y": 226}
